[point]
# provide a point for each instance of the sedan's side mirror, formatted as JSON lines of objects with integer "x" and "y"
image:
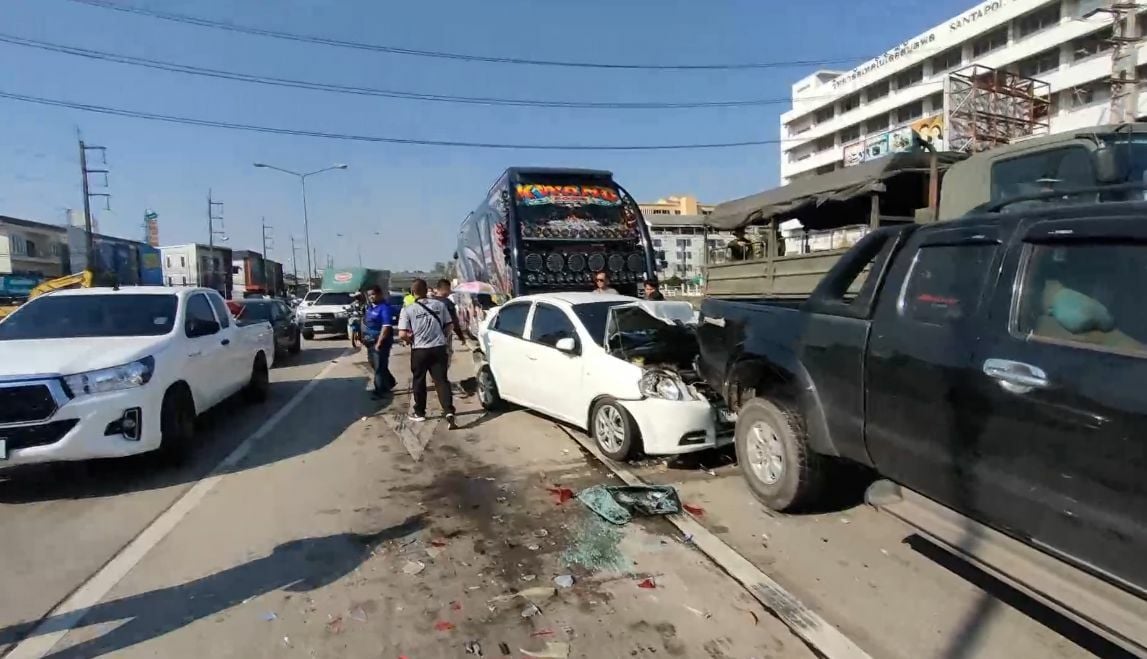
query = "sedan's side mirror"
{"x": 566, "y": 345}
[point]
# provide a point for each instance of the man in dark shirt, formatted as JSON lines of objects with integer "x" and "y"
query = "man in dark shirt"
{"x": 653, "y": 290}
{"x": 740, "y": 249}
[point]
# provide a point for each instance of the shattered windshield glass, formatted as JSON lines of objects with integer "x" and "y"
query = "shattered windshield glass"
{"x": 634, "y": 334}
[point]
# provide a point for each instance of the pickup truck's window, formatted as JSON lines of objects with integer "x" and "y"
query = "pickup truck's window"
{"x": 198, "y": 309}
{"x": 221, "y": 312}
{"x": 333, "y": 300}
{"x": 77, "y": 316}
{"x": 512, "y": 319}
{"x": 945, "y": 283}
{"x": 1069, "y": 167}
{"x": 1085, "y": 293}
{"x": 551, "y": 324}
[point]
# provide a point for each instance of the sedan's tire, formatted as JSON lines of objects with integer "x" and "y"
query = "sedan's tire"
{"x": 488, "y": 394}
{"x": 614, "y": 430}
{"x": 259, "y": 385}
{"x": 296, "y": 345}
{"x": 781, "y": 469}
{"x": 177, "y": 425}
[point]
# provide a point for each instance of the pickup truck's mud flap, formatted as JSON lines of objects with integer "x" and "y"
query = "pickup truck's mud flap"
{"x": 1107, "y": 610}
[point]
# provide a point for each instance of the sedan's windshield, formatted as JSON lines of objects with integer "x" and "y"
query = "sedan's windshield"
{"x": 593, "y": 317}
{"x": 75, "y": 316}
{"x": 333, "y": 300}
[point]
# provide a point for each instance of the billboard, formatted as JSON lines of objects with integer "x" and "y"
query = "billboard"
{"x": 897, "y": 140}
{"x": 151, "y": 226}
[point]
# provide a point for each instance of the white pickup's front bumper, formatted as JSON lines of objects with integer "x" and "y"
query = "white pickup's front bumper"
{"x": 670, "y": 427}
{"x": 86, "y": 427}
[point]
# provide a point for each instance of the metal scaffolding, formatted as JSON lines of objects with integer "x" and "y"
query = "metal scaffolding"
{"x": 988, "y": 107}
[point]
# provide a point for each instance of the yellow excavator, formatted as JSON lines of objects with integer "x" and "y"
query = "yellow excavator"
{"x": 82, "y": 279}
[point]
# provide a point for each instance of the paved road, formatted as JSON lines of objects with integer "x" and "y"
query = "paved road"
{"x": 331, "y": 540}
{"x": 304, "y": 550}
{"x": 61, "y": 523}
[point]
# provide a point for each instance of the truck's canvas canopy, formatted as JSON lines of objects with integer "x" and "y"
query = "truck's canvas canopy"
{"x": 840, "y": 185}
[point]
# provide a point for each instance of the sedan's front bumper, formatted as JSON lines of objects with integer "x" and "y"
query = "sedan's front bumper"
{"x": 671, "y": 427}
{"x": 86, "y": 428}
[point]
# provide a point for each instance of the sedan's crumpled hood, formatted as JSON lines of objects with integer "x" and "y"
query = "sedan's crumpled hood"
{"x": 652, "y": 332}
{"x": 70, "y": 356}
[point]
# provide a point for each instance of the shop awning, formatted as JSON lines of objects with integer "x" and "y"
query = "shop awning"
{"x": 841, "y": 185}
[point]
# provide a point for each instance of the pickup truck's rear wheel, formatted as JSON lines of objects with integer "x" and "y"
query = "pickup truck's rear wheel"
{"x": 177, "y": 425}
{"x": 614, "y": 430}
{"x": 782, "y": 471}
{"x": 260, "y": 383}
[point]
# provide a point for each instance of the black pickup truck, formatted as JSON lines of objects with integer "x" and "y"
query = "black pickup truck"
{"x": 995, "y": 365}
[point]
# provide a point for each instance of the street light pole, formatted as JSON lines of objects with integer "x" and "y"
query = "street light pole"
{"x": 302, "y": 176}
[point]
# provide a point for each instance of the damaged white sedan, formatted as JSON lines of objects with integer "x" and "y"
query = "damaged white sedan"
{"x": 615, "y": 366}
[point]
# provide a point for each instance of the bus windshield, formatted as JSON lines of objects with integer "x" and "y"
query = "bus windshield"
{"x": 567, "y": 206}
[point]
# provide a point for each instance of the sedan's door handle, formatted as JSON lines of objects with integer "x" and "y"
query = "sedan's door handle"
{"x": 533, "y": 359}
{"x": 1016, "y": 377}
{"x": 195, "y": 354}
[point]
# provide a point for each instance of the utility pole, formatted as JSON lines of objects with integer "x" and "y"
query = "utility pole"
{"x": 89, "y": 257}
{"x": 212, "y": 207}
{"x": 267, "y": 237}
{"x": 315, "y": 260}
{"x": 295, "y": 261}
{"x": 1125, "y": 40}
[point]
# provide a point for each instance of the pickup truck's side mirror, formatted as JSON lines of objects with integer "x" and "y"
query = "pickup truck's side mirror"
{"x": 566, "y": 345}
{"x": 198, "y": 327}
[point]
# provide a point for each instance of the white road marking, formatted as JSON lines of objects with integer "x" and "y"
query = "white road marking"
{"x": 71, "y": 611}
{"x": 804, "y": 622}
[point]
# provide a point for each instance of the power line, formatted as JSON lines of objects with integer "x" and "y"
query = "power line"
{"x": 191, "y": 121}
{"x": 396, "y": 50}
{"x": 371, "y": 91}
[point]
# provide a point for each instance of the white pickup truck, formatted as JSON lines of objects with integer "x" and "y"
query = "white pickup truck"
{"x": 103, "y": 372}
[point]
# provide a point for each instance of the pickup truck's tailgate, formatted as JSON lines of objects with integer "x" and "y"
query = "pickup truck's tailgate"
{"x": 731, "y": 329}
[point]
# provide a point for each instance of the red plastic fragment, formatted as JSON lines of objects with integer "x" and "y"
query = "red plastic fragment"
{"x": 693, "y": 510}
{"x": 443, "y": 626}
{"x": 563, "y": 494}
{"x": 647, "y": 583}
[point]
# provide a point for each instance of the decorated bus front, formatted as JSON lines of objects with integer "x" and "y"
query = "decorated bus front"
{"x": 570, "y": 227}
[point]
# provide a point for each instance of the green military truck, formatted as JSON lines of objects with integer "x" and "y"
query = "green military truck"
{"x": 836, "y": 209}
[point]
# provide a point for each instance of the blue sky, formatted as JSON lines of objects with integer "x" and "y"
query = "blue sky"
{"x": 414, "y": 196}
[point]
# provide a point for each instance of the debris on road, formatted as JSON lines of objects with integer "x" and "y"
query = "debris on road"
{"x": 456, "y": 605}
{"x": 538, "y": 593}
{"x": 541, "y": 533}
{"x": 552, "y": 650}
{"x": 504, "y": 649}
{"x": 648, "y": 583}
{"x": 618, "y": 503}
{"x": 269, "y": 616}
{"x": 562, "y": 494}
{"x": 444, "y": 626}
{"x": 358, "y": 614}
{"x": 413, "y": 567}
{"x": 335, "y": 625}
{"x": 564, "y": 581}
{"x": 434, "y": 552}
{"x": 531, "y": 611}
{"x": 474, "y": 648}
{"x": 703, "y": 614}
{"x": 542, "y": 632}
{"x": 696, "y": 511}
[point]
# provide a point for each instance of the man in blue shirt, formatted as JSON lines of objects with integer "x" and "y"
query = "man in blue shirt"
{"x": 378, "y": 335}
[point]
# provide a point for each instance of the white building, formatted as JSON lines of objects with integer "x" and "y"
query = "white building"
{"x": 839, "y": 118}
{"x": 197, "y": 265}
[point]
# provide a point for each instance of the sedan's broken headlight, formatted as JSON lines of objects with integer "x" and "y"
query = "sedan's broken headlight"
{"x": 658, "y": 383}
{"x": 125, "y": 376}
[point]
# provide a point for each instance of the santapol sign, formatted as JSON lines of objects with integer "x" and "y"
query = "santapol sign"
{"x": 969, "y": 18}
{"x": 899, "y": 52}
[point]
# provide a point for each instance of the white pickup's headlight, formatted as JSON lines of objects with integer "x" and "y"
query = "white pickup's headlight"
{"x": 126, "y": 376}
{"x": 662, "y": 384}
{"x": 340, "y": 314}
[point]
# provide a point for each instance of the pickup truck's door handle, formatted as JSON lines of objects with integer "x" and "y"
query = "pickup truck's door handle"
{"x": 533, "y": 359}
{"x": 226, "y": 342}
{"x": 1016, "y": 377}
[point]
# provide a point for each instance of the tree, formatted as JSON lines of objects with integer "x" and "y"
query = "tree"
{"x": 673, "y": 281}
